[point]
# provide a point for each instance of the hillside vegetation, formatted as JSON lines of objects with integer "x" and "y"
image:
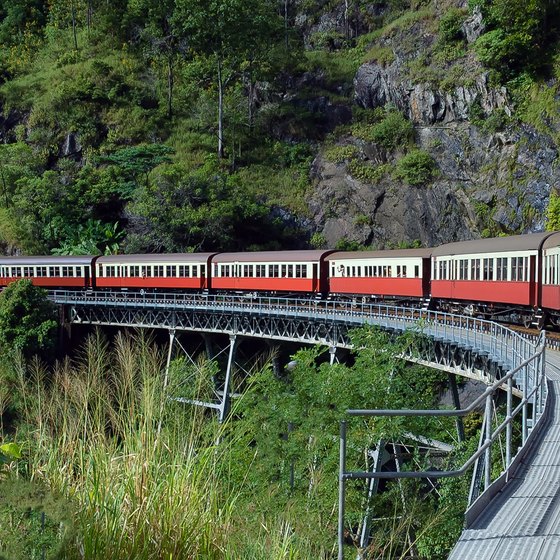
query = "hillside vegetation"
{"x": 181, "y": 125}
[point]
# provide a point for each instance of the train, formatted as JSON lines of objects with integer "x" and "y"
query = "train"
{"x": 514, "y": 279}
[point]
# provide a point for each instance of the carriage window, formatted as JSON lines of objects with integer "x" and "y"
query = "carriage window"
{"x": 146, "y": 271}
{"x": 519, "y": 272}
{"x": 501, "y": 269}
{"x": 299, "y": 271}
{"x": 158, "y": 270}
{"x": 475, "y": 269}
{"x": 194, "y": 271}
{"x": 170, "y": 271}
{"x": 416, "y": 271}
{"x": 488, "y": 269}
{"x": 274, "y": 271}
{"x": 41, "y": 271}
{"x": 134, "y": 271}
{"x": 79, "y": 271}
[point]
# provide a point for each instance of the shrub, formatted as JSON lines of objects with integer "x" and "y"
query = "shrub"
{"x": 340, "y": 154}
{"x": 553, "y": 213}
{"x": 450, "y": 25}
{"x": 392, "y": 131}
{"x": 415, "y": 168}
{"x": 367, "y": 173}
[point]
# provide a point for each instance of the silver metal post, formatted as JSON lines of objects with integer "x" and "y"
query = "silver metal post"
{"x": 525, "y": 404}
{"x": 224, "y": 405}
{"x": 509, "y": 420}
{"x": 487, "y": 455}
{"x": 341, "y": 489}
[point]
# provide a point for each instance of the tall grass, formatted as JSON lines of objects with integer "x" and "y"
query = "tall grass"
{"x": 136, "y": 493}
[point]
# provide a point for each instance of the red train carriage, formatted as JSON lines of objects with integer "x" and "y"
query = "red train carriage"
{"x": 550, "y": 296}
{"x": 499, "y": 276}
{"x": 399, "y": 274}
{"x": 49, "y": 271}
{"x": 185, "y": 271}
{"x": 271, "y": 271}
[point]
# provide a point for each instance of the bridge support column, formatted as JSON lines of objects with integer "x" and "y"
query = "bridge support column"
{"x": 332, "y": 352}
{"x": 209, "y": 346}
{"x": 457, "y": 405}
{"x": 380, "y": 457}
{"x": 166, "y": 378}
{"x": 224, "y": 406}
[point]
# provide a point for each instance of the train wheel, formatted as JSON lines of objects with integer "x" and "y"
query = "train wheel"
{"x": 527, "y": 321}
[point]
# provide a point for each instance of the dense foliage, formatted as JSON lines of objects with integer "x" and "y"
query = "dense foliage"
{"x": 121, "y": 471}
{"x": 27, "y": 319}
{"x": 108, "y": 109}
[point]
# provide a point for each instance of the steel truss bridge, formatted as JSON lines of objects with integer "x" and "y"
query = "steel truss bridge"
{"x": 482, "y": 350}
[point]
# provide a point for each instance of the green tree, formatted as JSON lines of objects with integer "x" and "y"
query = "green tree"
{"x": 232, "y": 33}
{"x": 16, "y": 161}
{"x": 18, "y": 17}
{"x": 200, "y": 210}
{"x": 292, "y": 424}
{"x": 27, "y": 319}
{"x": 161, "y": 37}
{"x": 520, "y": 34}
{"x": 137, "y": 161}
{"x": 553, "y": 213}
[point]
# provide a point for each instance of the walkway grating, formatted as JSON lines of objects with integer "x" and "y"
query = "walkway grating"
{"x": 523, "y": 521}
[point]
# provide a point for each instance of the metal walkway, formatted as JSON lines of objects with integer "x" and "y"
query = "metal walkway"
{"x": 523, "y": 521}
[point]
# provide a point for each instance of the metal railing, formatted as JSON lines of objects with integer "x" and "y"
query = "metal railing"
{"x": 531, "y": 407}
{"x": 497, "y": 340}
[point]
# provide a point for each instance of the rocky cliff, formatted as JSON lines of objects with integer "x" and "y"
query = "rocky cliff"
{"x": 493, "y": 174}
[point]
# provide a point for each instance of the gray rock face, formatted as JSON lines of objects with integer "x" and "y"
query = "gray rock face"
{"x": 473, "y": 27}
{"x": 378, "y": 215}
{"x": 375, "y": 86}
{"x": 486, "y": 184}
{"x": 71, "y": 145}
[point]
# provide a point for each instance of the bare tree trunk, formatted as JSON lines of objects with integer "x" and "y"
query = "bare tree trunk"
{"x": 89, "y": 15}
{"x": 286, "y": 22}
{"x": 170, "y": 80}
{"x": 74, "y": 32}
{"x": 346, "y": 20}
{"x": 220, "y": 110}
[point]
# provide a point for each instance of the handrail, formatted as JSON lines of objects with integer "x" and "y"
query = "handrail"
{"x": 536, "y": 393}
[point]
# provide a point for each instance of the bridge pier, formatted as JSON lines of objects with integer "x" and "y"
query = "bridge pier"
{"x": 457, "y": 404}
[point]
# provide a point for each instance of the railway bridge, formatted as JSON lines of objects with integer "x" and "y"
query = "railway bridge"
{"x": 512, "y": 516}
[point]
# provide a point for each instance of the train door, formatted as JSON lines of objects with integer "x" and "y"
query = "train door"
{"x": 534, "y": 282}
{"x": 315, "y": 284}
{"x": 426, "y": 275}
{"x": 86, "y": 276}
{"x": 203, "y": 276}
